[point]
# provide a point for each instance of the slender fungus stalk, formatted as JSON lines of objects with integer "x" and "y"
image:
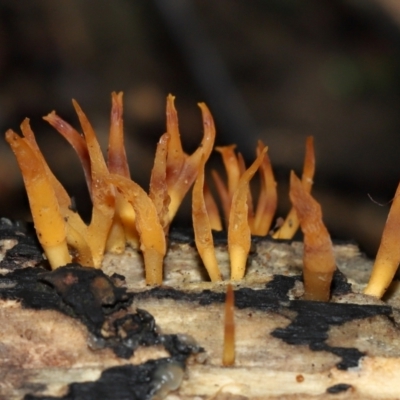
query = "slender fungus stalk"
{"x": 291, "y": 224}
{"x": 102, "y": 192}
{"x": 318, "y": 258}
{"x": 233, "y": 173}
{"x": 228, "y": 357}
{"x": 268, "y": 199}
{"x": 212, "y": 209}
{"x": 232, "y": 166}
{"x": 116, "y": 155}
{"x": 239, "y": 235}
{"x": 223, "y": 194}
{"x": 388, "y": 258}
{"x": 123, "y": 228}
{"x": 158, "y": 185}
{"x": 250, "y": 208}
{"x": 202, "y": 227}
{"x": 152, "y": 239}
{"x": 49, "y": 223}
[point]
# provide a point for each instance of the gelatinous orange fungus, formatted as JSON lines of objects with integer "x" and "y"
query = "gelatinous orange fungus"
{"x": 49, "y": 222}
{"x": 239, "y": 234}
{"x": 123, "y": 213}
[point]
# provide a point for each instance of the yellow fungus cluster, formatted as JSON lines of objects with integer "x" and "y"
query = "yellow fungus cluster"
{"x": 123, "y": 213}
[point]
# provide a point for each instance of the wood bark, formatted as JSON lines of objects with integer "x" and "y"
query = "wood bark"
{"x": 62, "y": 339}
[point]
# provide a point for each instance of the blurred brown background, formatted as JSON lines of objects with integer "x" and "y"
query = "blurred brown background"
{"x": 278, "y": 70}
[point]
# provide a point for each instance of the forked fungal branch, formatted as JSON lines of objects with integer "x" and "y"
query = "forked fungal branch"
{"x": 123, "y": 213}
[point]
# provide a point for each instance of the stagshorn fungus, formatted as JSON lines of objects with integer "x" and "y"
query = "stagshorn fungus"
{"x": 125, "y": 214}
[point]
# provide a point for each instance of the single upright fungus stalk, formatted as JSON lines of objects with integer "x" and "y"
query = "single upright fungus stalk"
{"x": 268, "y": 199}
{"x": 152, "y": 238}
{"x": 158, "y": 191}
{"x": 102, "y": 192}
{"x": 388, "y": 258}
{"x": 202, "y": 227}
{"x": 49, "y": 223}
{"x": 228, "y": 357}
{"x": 239, "y": 235}
{"x": 212, "y": 209}
{"x": 123, "y": 228}
{"x": 318, "y": 259}
{"x": 291, "y": 223}
{"x": 232, "y": 169}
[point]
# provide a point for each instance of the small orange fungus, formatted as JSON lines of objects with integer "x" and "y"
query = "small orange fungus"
{"x": 318, "y": 258}
{"x": 202, "y": 227}
{"x": 49, "y": 223}
{"x": 268, "y": 199}
{"x": 152, "y": 238}
{"x": 239, "y": 235}
{"x": 388, "y": 256}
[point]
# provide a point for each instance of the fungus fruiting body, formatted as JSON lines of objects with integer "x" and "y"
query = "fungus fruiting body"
{"x": 318, "y": 260}
{"x": 388, "y": 256}
{"x": 125, "y": 214}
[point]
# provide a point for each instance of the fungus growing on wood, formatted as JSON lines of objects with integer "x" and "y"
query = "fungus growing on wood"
{"x": 202, "y": 227}
{"x": 124, "y": 213}
{"x": 152, "y": 238}
{"x": 388, "y": 257}
{"x": 318, "y": 259}
{"x": 49, "y": 223}
{"x": 239, "y": 235}
{"x": 119, "y": 216}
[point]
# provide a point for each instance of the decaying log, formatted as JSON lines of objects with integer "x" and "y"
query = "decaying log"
{"x": 84, "y": 333}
